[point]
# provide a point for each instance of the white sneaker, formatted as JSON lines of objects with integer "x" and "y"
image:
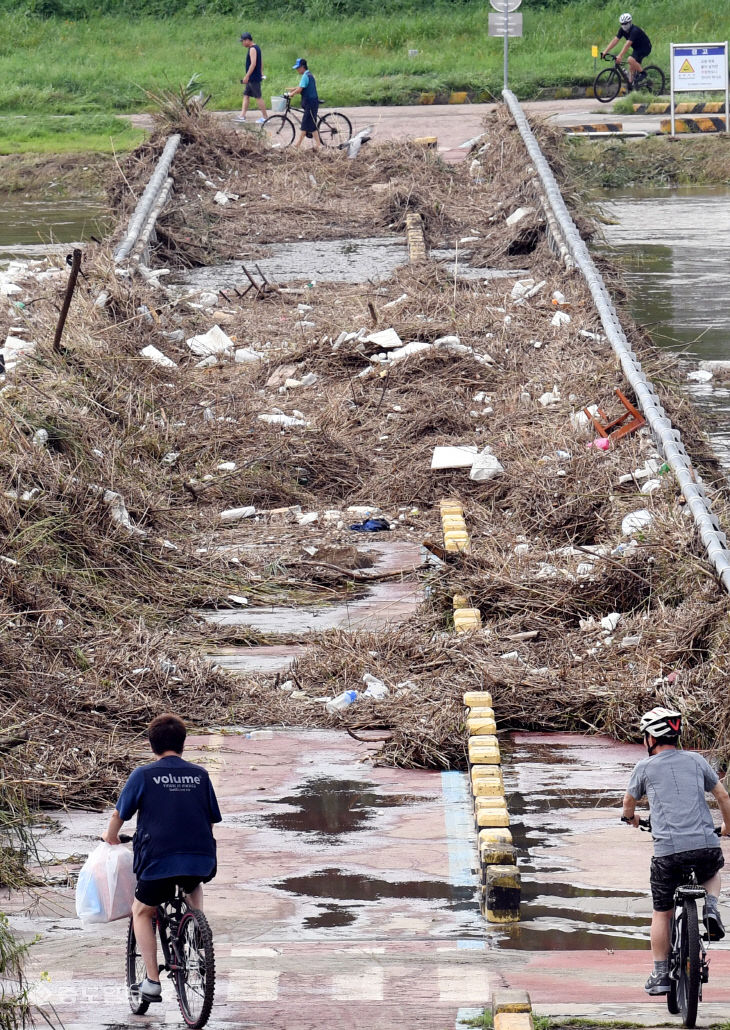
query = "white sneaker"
{"x": 260, "y": 121}
{"x": 148, "y": 990}
{"x": 239, "y": 118}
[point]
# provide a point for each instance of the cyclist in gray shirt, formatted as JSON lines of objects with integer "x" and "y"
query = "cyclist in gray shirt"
{"x": 674, "y": 783}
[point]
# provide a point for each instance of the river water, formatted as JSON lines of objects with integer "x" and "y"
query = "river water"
{"x": 34, "y": 228}
{"x": 674, "y": 247}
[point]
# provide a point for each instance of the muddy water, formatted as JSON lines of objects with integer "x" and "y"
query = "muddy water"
{"x": 33, "y": 228}
{"x": 674, "y": 246}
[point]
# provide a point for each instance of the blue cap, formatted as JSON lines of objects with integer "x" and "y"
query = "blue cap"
{"x": 300, "y": 61}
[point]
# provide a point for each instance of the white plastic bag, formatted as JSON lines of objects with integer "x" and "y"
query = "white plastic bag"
{"x": 105, "y": 887}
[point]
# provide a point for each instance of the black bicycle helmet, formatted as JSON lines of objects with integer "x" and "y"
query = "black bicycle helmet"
{"x": 664, "y": 724}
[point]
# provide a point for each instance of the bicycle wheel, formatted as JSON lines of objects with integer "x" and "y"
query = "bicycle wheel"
{"x": 606, "y": 85}
{"x": 688, "y": 985}
{"x": 195, "y": 972}
{"x": 653, "y": 81}
{"x": 335, "y": 128}
{"x": 279, "y": 129}
{"x": 136, "y": 972}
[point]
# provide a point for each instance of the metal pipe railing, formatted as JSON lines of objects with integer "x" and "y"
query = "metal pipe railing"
{"x": 667, "y": 437}
{"x": 147, "y": 201}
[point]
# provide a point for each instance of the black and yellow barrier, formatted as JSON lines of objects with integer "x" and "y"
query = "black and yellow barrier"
{"x": 712, "y": 123}
{"x": 596, "y": 127}
{"x": 686, "y": 107}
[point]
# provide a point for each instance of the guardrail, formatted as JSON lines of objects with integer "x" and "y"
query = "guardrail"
{"x": 667, "y": 437}
{"x": 149, "y": 205}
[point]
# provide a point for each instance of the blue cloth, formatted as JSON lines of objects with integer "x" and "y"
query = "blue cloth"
{"x": 309, "y": 90}
{"x": 175, "y": 805}
{"x": 674, "y": 782}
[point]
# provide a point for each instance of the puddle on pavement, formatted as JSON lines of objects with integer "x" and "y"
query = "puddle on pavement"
{"x": 345, "y": 261}
{"x": 329, "y": 809}
{"x": 674, "y": 247}
{"x": 552, "y": 785}
{"x": 348, "y": 886}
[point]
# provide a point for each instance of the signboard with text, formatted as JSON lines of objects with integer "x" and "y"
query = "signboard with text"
{"x": 699, "y": 68}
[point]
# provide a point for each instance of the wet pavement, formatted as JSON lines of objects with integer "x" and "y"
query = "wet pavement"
{"x": 339, "y": 882}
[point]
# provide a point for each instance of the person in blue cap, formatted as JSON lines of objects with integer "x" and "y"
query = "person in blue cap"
{"x": 310, "y": 103}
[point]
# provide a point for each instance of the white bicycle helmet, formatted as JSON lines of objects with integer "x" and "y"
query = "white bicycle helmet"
{"x": 662, "y": 723}
{"x": 625, "y": 19}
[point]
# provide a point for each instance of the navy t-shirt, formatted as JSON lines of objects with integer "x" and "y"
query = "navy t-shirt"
{"x": 309, "y": 90}
{"x": 175, "y": 805}
{"x": 257, "y": 73}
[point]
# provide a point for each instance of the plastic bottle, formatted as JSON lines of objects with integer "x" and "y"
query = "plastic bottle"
{"x": 337, "y": 704}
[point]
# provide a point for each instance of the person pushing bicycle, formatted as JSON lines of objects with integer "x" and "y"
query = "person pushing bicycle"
{"x": 635, "y": 38}
{"x": 310, "y": 103}
{"x": 674, "y": 783}
{"x": 176, "y": 808}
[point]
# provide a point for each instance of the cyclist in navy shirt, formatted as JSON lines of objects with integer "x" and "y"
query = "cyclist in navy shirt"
{"x": 635, "y": 38}
{"x": 310, "y": 103}
{"x": 176, "y": 808}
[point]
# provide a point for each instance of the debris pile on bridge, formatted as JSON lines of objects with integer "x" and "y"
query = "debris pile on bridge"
{"x": 117, "y": 470}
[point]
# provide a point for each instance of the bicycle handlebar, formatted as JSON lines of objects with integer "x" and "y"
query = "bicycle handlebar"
{"x": 645, "y": 824}
{"x": 608, "y": 57}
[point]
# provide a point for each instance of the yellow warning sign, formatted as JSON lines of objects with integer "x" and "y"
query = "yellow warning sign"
{"x": 686, "y": 68}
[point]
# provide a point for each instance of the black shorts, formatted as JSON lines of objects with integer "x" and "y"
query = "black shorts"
{"x": 252, "y": 89}
{"x": 669, "y": 871}
{"x": 640, "y": 55}
{"x": 309, "y": 118}
{"x": 157, "y": 892}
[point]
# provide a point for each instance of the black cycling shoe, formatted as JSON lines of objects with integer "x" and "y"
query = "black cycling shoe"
{"x": 713, "y": 922}
{"x": 658, "y": 983}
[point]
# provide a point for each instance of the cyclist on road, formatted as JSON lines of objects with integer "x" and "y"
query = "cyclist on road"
{"x": 675, "y": 782}
{"x": 635, "y": 38}
{"x": 176, "y": 807}
{"x": 310, "y": 103}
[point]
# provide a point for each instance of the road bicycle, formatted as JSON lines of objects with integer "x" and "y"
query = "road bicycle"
{"x": 187, "y": 947}
{"x": 334, "y": 128}
{"x": 608, "y": 84}
{"x": 689, "y": 967}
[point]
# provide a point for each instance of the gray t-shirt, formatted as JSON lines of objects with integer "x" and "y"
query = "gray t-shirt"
{"x": 675, "y": 783}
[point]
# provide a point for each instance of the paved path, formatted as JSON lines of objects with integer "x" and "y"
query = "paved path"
{"x": 453, "y": 124}
{"x": 345, "y": 885}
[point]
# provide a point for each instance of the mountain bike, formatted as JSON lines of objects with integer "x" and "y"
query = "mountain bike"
{"x": 608, "y": 84}
{"x": 333, "y": 128}
{"x": 689, "y": 967}
{"x": 187, "y": 947}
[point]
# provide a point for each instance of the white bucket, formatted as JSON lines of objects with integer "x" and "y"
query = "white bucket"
{"x": 278, "y": 104}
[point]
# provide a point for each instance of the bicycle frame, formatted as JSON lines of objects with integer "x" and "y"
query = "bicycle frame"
{"x": 699, "y": 894}
{"x": 167, "y": 922}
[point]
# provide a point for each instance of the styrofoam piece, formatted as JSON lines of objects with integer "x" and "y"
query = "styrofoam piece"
{"x": 279, "y": 419}
{"x": 215, "y": 341}
{"x": 245, "y": 354}
{"x": 560, "y": 318}
{"x": 700, "y": 375}
{"x": 387, "y": 339}
{"x": 485, "y": 467}
{"x": 579, "y": 419}
{"x": 518, "y": 215}
{"x": 236, "y": 514}
{"x": 153, "y": 354}
{"x": 636, "y": 521}
{"x": 453, "y": 457}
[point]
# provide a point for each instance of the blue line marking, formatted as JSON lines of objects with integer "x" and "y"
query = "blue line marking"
{"x": 460, "y": 839}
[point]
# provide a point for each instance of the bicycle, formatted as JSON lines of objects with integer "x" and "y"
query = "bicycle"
{"x": 608, "y": 83}
{"x": 334, "y": 128}
{"x": 187, "y": 947}
{"x": 689, "y": 967}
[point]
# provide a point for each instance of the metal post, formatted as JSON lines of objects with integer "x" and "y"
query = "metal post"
{"x": 506, "y": 44}
{"x": 727, "y": 92}
{"x": 671, "y": 87}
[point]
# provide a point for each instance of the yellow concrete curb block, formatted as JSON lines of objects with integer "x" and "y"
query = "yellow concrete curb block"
{"x": 451, "y": 506}
{"x": 496, "y": 854}
{"x": 481, "y": 724}
{"x": 474, "y": 698}
{"x": 484, "y": 774}
{"x": 456, "y": 540}
{"x": 502, "y": 901}
{"x": 489, "y": 818}
{"x": 427, "y": 98}
{"x": 509, "y": 999}
{"x": 429, "y": 142}
{"x": 458, "y": 98}
{"x": 493, "y": 836}
{"x": 484, "y": 755}
{"x": 513, "y": 1021}
{"x": 466, "y": 619}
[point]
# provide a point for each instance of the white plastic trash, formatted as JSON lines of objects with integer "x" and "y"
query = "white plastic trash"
{"x": 375, "y": 687}
{"x": 105, "y": 887}
{"x": 337, "y": 704}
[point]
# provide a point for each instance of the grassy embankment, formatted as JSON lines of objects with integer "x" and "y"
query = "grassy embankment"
{"x": 91, "y": 69}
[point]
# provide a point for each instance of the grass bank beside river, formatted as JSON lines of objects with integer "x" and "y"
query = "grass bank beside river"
{"x": 95, "y": 67}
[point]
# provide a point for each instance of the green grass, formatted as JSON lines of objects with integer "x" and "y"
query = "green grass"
{"x": 105, "y": 65}
{"x": 53, "y": 134}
